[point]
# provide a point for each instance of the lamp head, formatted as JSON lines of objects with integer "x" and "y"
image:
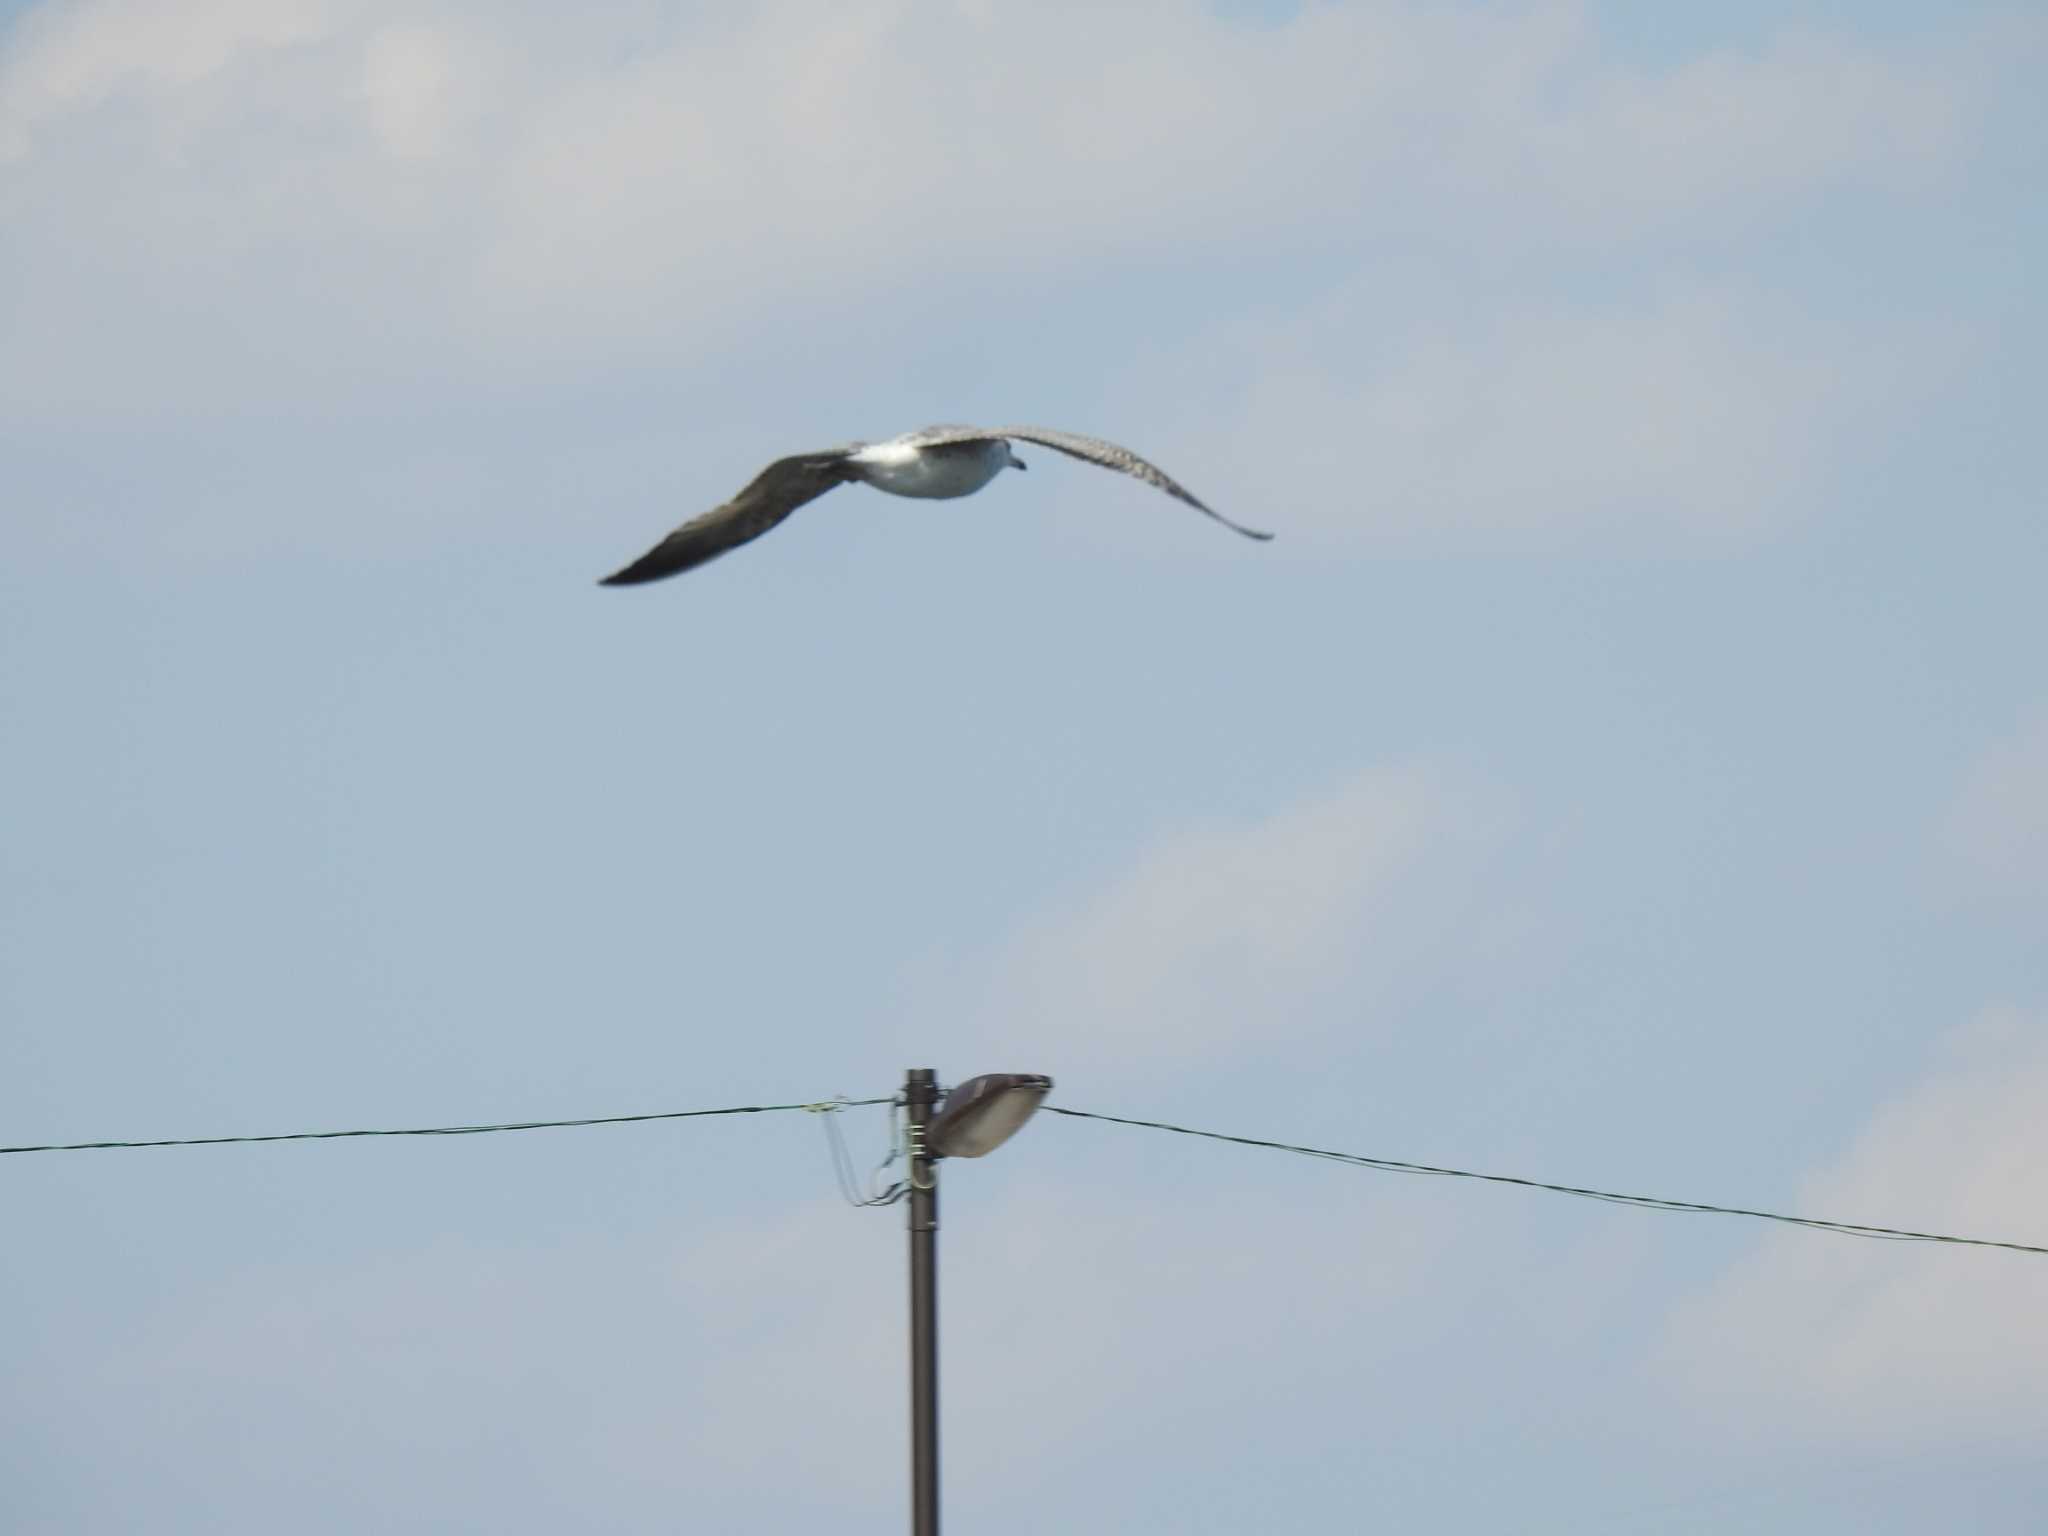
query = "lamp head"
{"x": 984, "y": 1112}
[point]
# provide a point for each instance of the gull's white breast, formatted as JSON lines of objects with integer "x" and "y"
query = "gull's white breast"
{"x": 953, "y": 469}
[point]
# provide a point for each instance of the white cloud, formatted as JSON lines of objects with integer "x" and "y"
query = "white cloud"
{"x": 1996, "y": 828}
{"x": 611, "y": 1376}
{"x": 1092, "y": 1312}
{"x": 1229, "y": 935}
{"x": 1813, "y": 1338}
{"x": 754, "y": 1370}
{"x": 232, "y": 180}
{"x": 1067, "y": 1317}
{"x": 1730, "y": 135}
{"x": 1695, "y": 412}
{"x": 411, "y": 86}
{"x": 72, "y": 60}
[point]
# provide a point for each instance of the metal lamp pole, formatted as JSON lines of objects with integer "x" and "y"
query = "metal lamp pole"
{"x": 980, "y": 1115}
{"x": 920, "y": 1093}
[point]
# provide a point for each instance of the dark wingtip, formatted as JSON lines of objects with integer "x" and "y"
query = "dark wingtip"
{"x": 1231, "y": 523}
{"x": 637, "y": 574}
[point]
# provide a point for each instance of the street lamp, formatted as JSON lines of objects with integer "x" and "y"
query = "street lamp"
{"x": 984, "y": 1112}
{"x": 979, "y": 1116}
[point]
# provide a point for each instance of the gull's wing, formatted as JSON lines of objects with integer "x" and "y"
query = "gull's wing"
{"x": 773, "y": 494}
{"x": 1094, "y": 451}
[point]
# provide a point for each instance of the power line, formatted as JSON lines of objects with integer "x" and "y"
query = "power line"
{"x": 1358, "y": 1160}
{"x": 441, "y": 1130}
{"x": 1646, "y": 1202}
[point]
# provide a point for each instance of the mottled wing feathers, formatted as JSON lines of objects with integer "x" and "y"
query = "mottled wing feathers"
{"x": 1092, "y": 450}
{"x": 773, "y": 494}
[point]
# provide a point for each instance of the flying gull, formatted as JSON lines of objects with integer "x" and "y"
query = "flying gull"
{"x": 938, "y": 463}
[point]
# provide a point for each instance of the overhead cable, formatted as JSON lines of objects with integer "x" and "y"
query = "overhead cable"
{"x": 1646, "y": 1202}
{"x": 438, "y": 1130}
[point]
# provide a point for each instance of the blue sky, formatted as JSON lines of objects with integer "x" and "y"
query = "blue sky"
{"x": 1628, "y": 766}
